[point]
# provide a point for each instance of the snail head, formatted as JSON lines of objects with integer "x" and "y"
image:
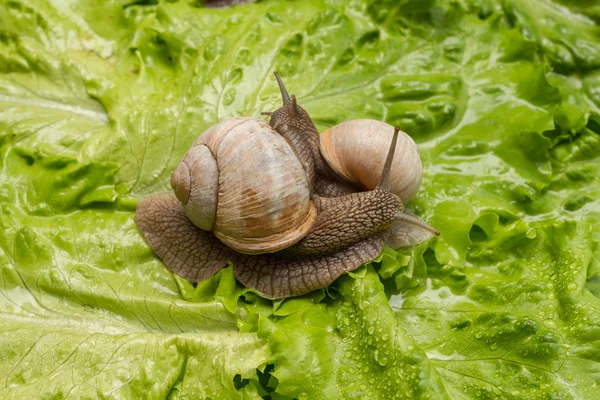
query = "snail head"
{"x": 290, "y": 114}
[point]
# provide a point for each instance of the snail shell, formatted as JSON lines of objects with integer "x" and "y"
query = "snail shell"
{"x": 357, "y": 149}
{"x": 242, "y": 181}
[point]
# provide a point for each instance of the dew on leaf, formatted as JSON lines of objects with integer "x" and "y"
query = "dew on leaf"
{"x": 549, "y": 323}
{"x": 382, "y": 359}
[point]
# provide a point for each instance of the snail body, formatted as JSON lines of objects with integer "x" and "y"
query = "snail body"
{"x": 291, "y": 210}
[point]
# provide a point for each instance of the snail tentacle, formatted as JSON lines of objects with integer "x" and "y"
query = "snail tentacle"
{"x": 294, "y": 107}
{"x": 282, "y": 89}
{"x": 384, "y": 181}
{"x": 408, "y": 218}
{"x": 408, "y": 230}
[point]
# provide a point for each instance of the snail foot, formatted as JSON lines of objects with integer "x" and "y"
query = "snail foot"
{"x": 189, "y": 251}
{"x": 275, "y": 276}
{"x": 196, "y": 255}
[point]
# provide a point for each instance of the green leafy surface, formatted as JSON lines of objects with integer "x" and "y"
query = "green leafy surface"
{"x": 100, "y": 100}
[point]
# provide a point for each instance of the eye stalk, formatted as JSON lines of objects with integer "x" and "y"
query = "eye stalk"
{"x": 384, "y": 182}
{"x": 282, "y": 89}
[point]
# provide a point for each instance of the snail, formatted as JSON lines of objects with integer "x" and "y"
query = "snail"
{"x": 289, "y": 208}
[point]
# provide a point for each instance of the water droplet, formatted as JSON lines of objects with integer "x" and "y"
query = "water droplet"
{"x": 550, "y": 323}
{"x": 382, "y": 359}
{"x": 479, "y": 335}
{"x": 303, "y": 396}
{"x": 572, "y": 286}
{"x": 493, "y": 346}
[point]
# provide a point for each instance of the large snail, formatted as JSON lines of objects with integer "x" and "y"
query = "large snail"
{"x": 290, "y": 209}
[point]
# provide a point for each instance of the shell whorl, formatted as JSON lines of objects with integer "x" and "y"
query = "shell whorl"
{"x": 247, "y": 186}
{"x": 357, "y": 150}
{"x": 181, "y": 182}
{"x": 196, "y": 183}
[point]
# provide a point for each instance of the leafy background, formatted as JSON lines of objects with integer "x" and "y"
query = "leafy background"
{"x": 99, "y": 101}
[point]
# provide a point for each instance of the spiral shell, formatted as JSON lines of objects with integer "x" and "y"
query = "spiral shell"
{"x": 243, "y": 181}
{"x": 357, "y": 150}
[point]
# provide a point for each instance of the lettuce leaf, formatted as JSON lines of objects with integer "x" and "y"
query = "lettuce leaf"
{"x": 99, "y": 101}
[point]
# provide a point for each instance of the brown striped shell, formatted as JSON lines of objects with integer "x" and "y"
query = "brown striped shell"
{"x": 243, "y": 181}
{"x": 357, "y": 149}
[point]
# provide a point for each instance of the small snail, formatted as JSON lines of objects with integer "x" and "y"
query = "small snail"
{"x": 291, "y": 210}
{"x": 353, "y": 149}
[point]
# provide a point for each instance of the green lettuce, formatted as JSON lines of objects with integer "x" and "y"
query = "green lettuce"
{"x": 100, "y": 100}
